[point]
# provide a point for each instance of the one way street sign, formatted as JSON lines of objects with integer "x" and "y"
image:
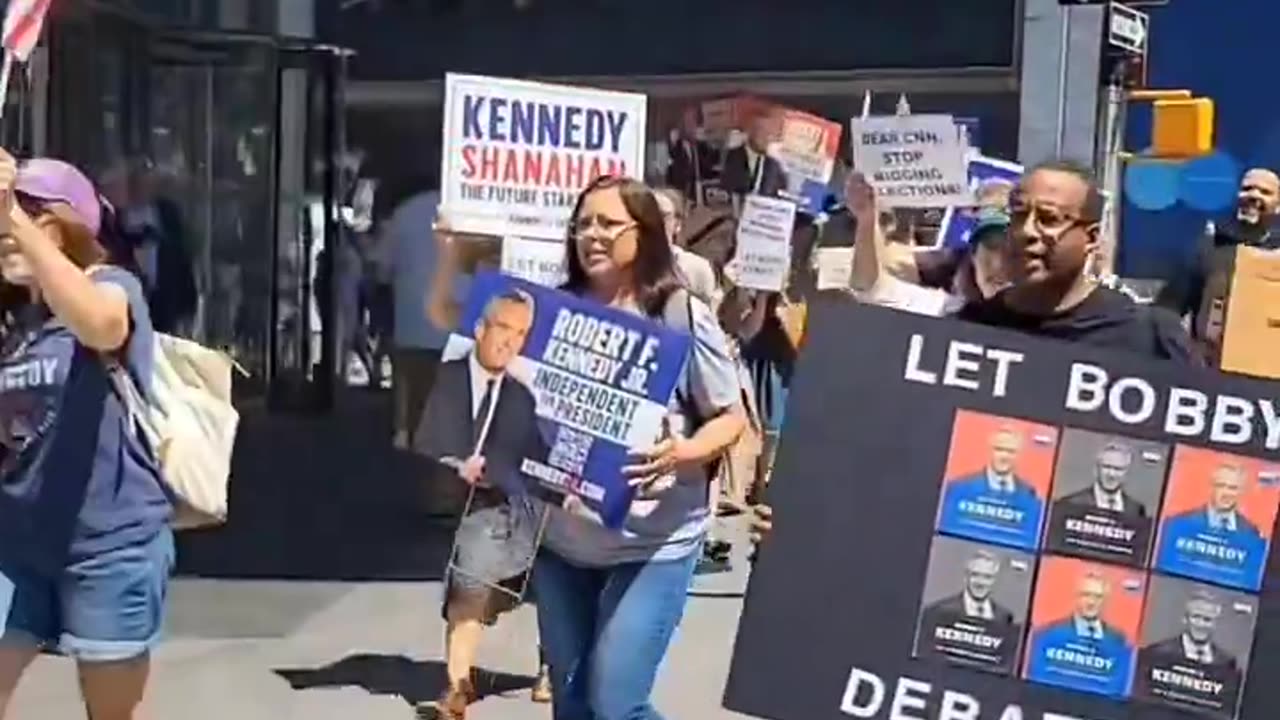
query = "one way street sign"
{"x": 1127, "y": 29}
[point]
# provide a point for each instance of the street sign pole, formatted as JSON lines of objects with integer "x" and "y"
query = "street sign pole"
{"x": 1124, "y": 57}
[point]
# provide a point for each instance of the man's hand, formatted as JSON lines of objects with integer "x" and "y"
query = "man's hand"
{"x": 860, "y": 198}
{"x": 472, "y": 470}
{"x": 761, "y": 523}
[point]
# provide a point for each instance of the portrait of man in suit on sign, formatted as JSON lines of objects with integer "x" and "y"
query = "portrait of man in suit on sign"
{"x": 480, "y": 421}
{"x": 982, "y": 571}
{"x": 1214, "y": 541}
{"x": 1197, "y": 644}
{"x": 1105, "y": 491}
{"x": 995, "y": 504}
{"x": 748, "y": 169}
{"x": 973, "y": 605}
{"x": 1083, "y": 651}
{"x": 1108, "y": 489}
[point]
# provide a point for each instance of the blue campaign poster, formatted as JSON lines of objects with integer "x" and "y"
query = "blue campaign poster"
{"x": 600, "y": 380}
{"x": 958, "y": 223}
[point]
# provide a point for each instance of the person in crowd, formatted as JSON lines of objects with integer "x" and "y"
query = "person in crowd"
{"x": 694, "y": 269}
{"x": 1194, "y": 289}
{"x": 153, "y": 223}
{"x": 496, "y": 540}
{"x": 769, "y": 327}
{"x": 85, "y": 544}
{"x": 711, "y": 234}
{"x": 692, "y": 159}
{"x": 608, "y": 600}
{"x": 975, "y": 272}
{"x": 1056, "y": 214}
{"x": 749, "y": 169}
{"x": 458, "y": 258}
{"x": 418, "y": 343}
{"x": 379, "y": 299}
{"x": 699, "y": 277}
{"x": 349, "y": 251}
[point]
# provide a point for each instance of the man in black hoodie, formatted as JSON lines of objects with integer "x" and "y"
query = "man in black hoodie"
{"x": 1205, "y": 281}
{"x": 1056, "y": 212}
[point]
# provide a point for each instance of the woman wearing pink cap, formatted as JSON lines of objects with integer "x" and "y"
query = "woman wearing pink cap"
{"x": 85, "y": 547}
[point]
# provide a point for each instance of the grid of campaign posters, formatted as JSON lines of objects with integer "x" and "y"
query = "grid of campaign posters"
{"x": 1098, "y": 563}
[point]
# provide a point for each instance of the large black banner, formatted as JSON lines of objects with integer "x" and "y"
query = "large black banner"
{"x": 972, "y": 524}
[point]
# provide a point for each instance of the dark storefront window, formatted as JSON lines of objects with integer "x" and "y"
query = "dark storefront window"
{"x": 94, "y": 91}
{"x": 211, "y": 124}
{"x": 424, "y": 39}
{"x": 258, "y": 16}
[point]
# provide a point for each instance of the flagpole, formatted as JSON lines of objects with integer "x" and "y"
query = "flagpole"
{"x": 6, "y": 71}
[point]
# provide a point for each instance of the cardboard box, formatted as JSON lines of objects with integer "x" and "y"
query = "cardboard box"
{"x": 1251, "y": 333}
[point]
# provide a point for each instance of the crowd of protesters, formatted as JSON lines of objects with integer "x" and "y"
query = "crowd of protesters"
{"x": 85, "y": 549}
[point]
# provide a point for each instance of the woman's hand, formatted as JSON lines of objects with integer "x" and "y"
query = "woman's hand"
{"x": 656, "y": 471}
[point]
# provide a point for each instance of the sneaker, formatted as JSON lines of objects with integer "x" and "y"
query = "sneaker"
{"x": 541, "y": 692}
{"x": 452, "y": 705}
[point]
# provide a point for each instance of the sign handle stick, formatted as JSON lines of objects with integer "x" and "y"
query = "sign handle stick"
{"x": 6, "y": 71}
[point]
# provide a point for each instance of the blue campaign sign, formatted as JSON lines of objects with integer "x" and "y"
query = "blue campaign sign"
{"x": 958, "y": 223}
{"x": 599, "y": 381}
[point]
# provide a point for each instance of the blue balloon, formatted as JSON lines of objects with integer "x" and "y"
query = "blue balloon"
{"x": 1151, "y": 184}
{"x": 1210, "y": 183}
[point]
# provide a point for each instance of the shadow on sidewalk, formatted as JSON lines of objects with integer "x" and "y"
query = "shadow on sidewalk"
{"x": 414, "y": 681}
{"x": 323, "y": 498}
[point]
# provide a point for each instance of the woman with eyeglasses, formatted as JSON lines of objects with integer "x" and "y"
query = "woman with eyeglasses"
{"x": 85, "y": 546}
{"x": 610, "y": 600}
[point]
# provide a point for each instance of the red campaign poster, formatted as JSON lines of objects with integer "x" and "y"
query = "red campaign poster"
{"x": 1218, "y": 517}
{"x": 997, "y": 479}
{"x": 1084, "y": 625}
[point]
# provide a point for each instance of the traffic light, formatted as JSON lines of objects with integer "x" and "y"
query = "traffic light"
{"x": 1182, "y": 127}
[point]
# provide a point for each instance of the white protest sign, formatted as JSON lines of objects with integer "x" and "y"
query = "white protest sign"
{"x": 517, "y": 153}
{"x": 763, "y": 258}
{"x": 914, "y": 161}
{"x": 835, "y": 267}
{"x": 538, "y": 261}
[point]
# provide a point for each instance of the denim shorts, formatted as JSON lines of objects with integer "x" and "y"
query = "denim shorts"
{"x": 104, "y": 608}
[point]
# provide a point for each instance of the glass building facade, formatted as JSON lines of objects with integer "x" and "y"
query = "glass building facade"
{"x": 195, "y": 92}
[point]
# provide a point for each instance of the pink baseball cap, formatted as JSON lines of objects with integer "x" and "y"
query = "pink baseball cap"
{"x": 56, "y": 181}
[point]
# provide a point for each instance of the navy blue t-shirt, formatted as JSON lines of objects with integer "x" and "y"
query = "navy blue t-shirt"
{"x": 75, "y": 480}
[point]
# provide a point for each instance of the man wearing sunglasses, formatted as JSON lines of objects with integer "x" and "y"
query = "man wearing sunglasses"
{"x": 1053, "y": 237}
{"x": 1055, "y": 214}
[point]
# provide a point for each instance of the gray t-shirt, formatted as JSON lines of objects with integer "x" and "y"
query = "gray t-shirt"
{"x": 671, "y": 525}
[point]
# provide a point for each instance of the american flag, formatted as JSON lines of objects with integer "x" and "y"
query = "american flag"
{"x": 23, "y": 20}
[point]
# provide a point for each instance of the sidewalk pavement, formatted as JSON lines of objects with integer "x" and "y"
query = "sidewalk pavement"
{"x": 280, "y": 650}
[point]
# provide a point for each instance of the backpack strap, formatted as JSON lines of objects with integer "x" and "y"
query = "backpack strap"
{"x": 677, "y": 314}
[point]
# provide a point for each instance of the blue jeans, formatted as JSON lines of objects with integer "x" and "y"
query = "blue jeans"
{"x": 104, "y": 608}
{"x": 605, "y": 632}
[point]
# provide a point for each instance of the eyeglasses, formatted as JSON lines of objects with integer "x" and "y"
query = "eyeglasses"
{"x": 610, "y": 228}
{"x": 1048, "y": 221}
